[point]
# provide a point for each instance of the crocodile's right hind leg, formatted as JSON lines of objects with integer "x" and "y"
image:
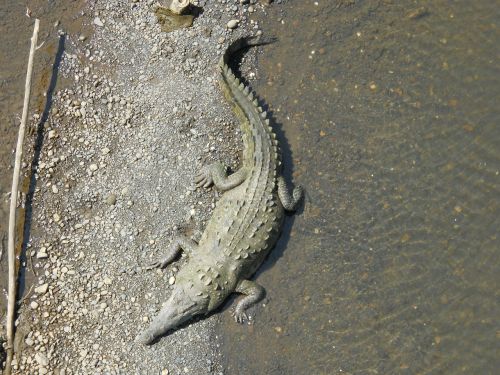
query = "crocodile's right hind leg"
{"x": 253, "y": 294}
{"x": 216, "y": 174}
{"x": 289, "y": 201}
{"x": 179, "y": 243}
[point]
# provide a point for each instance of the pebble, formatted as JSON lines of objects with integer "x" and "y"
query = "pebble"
{"x": 42, "y": 289}
{"x": 34, "y": 305}
{"x": 41, "y": 359}
{"x": 98, "y": 22}
{"x": 232, "y": 24}
{"x": 55, "y": 190}
{"x": 42, "y": 255}
{"x": 93, "y": 167}
{"x": 171, "y": 280}
{"x": 111, "y": 199}
{"x": 56, "y": 217}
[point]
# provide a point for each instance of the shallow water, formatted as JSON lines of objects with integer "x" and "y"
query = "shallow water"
{"x": 390, "y": 111}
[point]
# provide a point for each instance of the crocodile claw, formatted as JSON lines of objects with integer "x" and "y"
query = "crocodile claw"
{"x": 204, "y": 178}
{"x": 240, "y": 316}
{"x": 154, "y": 265}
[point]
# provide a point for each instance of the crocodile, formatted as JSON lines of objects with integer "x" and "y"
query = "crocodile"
{"x": 245, "y": 224}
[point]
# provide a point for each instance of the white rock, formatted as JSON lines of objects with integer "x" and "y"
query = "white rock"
{"x": 42, "y": 255}
{"x": 93, "y": 167}
{"x": 41, "y": 359}
{"x": 233, "y": 24}
{"x": 34, "y": 305}
{"x": 42, "y": 289}
{"x": 55, "y": 190}
{"x": 56, "y": 217}
{"x": 98, "y": 22}
{"x": 171, "y": 280}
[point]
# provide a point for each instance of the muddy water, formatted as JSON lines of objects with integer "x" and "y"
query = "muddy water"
{"x": 390, "y": 112}
{"x": 15, "y": 34}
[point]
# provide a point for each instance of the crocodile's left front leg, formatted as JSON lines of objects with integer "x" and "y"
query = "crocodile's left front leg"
{"x": 254, "y": 293}
{"x": 216, "y": 174}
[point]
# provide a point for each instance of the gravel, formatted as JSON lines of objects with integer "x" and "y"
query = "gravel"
{"x": 141, "y": 113}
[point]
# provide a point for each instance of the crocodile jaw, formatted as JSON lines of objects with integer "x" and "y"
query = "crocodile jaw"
{"x": 178, "y": 309}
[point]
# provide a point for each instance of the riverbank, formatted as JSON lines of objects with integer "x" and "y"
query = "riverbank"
{"x": 140, "y": 114}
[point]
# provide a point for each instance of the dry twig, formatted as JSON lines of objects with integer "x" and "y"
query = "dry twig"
{"x": 11, "y": 302}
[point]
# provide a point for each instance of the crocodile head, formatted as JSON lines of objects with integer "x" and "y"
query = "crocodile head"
{"x": 180, "y": 308}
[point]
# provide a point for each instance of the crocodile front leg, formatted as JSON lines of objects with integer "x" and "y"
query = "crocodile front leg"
{"x": 254, "y": 293}
{"x": 289, "y": 201}
{"x": 179, "y": 243}
{"x": 216, "y": 174}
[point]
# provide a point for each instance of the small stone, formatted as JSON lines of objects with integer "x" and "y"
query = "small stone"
{"x": 171, "y": 280}
{"x": 164, "y": 372}
{"x": 105, "y": 150}
{"x": 98, "y": 22}
{"x": 111, "y": 199}
{"x": 55, "y": 190}
{"x": 34, "y": 305}
{"x": 42, "y": 289}
{"x": 233, "y": 24}
{"x": 41, "y": 255}
{"x": 29, "y": 341}
{"x": 41, "y": 359}
{"x": 93, "y": 167}
{"x": 86, "y": 70}
{"x": 56, "y": 217}
{"x": 52, "y": 134}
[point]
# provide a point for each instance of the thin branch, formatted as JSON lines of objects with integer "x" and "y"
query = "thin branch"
{"x": 11, "y": 302}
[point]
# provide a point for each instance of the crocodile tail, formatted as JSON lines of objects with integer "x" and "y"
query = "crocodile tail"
{"x": 241, "y": 43}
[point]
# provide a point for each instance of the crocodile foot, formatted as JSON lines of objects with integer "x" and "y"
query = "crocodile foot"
{"x": 180, "y": 242}
{"x": 240, "y": 315}
{"x": 204, "y": 178}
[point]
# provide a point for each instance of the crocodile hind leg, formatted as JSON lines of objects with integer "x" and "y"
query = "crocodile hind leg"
{"x": 216, "y": 174}
{"x": 179, "y": 243}
{"x": 253, "y": 294}
{"x": 289, "y": 201}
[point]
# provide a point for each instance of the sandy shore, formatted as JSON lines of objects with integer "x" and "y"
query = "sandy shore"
{"x": 122, "y": 143}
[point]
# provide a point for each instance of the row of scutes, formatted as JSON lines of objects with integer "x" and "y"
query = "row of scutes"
{"x": 235, "y": 249}
{"x": 232, "y": 79}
